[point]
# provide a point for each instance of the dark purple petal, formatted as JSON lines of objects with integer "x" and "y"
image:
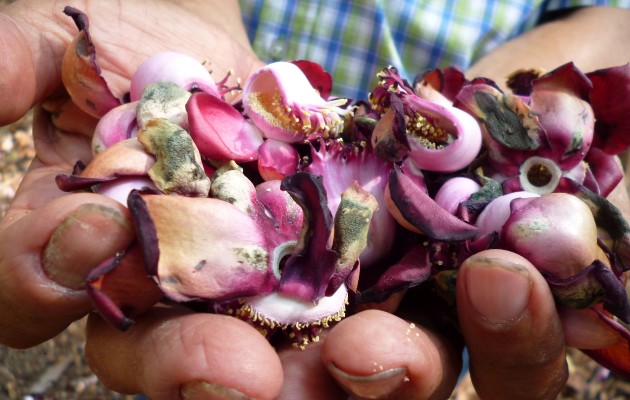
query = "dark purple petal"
{"x": 447, "y": 81}
{"x": 521, "y": 81}
{"x": 416, "y": 210}
{"x": 411, "y": 270}
{"x": 609, "y": 99}
{"x": 308, "y": 270}
{"x": 615, "y": 298}
{"x": 389, "y": 137}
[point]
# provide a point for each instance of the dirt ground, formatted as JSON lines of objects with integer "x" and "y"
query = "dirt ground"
{"x": 57, "y": 370}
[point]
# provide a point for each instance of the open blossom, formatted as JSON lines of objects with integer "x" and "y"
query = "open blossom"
{"x": 285, "y": 106}
{"x": 434, "y": 136}
{"x": 549, "y": 135}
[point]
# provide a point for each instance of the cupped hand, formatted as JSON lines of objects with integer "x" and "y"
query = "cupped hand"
{"x": 49, "y": 239}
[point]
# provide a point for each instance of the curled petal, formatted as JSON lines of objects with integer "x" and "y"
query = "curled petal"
{"x": 418, "y": 212}
{"x": 181, "y": 69}
{"x": 412, "y": 269}
{"x": 81, "y": 74}
{"x": 508, "y": 122}
{"x": 192, "y": 247}
{"x": 497, "y": 212}
{"x": 441, "y": 138}
{"x": 220, "y": 131}
{"x": 126, "y": 158}
{"x": 277, "y": 159}
{"x": 283, "y": 104}
{"x": 455, "y": 191}
{"x": 557, "y": 218}
{"x": 231, "y": 185}
{"x": 117, "y": 125}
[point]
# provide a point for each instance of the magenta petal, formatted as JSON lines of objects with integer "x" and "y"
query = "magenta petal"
{"x": 605, "y": 171}
{"x": 417, "y": 211}
{"x": 319, "y": 78}
{"x": 220, "y": 131}
{"x": 308, "y": 270}
{"x": 117, "y": 125}
{"x": 411, "y": 270}
{"x": 277, "y": 159}
{"x": 609, "y": 99}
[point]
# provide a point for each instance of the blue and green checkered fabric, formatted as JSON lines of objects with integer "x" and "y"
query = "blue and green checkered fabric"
{"x": 355, "y": 39}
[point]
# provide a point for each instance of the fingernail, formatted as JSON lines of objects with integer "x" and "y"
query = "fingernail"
{"x": 376, "y": 386}
{"x": 498, "y": 290}
{"x": 209, "y": 391}
{"x": 85, "y": 238}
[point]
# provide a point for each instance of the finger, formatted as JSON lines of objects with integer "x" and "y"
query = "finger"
{"x": 171, "y": 354}
{"x": 305, "y": 376}
{"x": 45, "y": 256}
{"x": 374, "y": 355}
{"x": 511, "y": 327}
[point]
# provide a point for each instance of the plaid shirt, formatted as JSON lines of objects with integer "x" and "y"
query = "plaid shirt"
{"x": 355, "y": 39}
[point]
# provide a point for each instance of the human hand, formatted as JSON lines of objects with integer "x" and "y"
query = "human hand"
{"x": 51, "y": 239}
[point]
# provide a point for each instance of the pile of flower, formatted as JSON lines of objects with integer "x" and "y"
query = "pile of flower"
{"x": 271, "y": 208}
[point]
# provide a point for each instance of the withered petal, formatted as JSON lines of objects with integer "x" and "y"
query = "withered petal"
{"x": 81, "y": 74}
{"x": 418, "y": 210}
{"x": 308, "y": 270}
{"x": 201, "y": 248}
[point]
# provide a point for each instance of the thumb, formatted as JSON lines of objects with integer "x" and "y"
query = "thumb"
{"x": 511, "y": 328}
{"x": 30, "y": 66}
{"x": 45, "y": 257}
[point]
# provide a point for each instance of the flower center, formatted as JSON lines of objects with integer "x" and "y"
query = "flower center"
{"x": 431, "y": 136}
{"x": 323, "y": 119}
{"x": 539, "y": 175}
